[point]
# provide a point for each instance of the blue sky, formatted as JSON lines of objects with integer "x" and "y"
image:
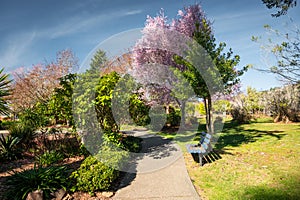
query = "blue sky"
{"x": 33, "y": 31}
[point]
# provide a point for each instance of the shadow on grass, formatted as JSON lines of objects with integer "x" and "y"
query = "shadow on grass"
{"x": 264, "y": 192}
{"x": 209, "y": 158}
{"x": 235, "y": 135}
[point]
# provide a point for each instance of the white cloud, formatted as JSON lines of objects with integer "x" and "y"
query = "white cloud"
{"x": 133, "y": 12}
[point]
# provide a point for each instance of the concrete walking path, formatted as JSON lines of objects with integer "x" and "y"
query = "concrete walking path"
{"x": 160, "y": 173}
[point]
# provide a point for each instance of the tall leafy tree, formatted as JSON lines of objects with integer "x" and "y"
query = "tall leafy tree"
{"x": 85, "y": 88}
{"x": 60, "y": 104}
{"x": 192, "y": 23}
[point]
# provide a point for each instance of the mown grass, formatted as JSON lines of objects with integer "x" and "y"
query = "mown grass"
{"x": 256, "y": 161}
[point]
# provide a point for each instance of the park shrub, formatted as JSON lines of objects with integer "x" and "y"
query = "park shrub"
{"x": 9, "y": 148}
{"x": 54, "y": 139}
{"x": 93, "y": 176}
{"x": 174, "y": 117}
{"x": 139, "y": 111}
{"x": 35, "y": 117}
{"x": 48, "y": 179}
{"x": 132, "y": 144}
{"x": 49, "y": 157}
{"x": 240, "y": 115}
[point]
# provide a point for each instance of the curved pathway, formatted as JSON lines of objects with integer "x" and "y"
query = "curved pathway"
{"x": 160, "y": 173}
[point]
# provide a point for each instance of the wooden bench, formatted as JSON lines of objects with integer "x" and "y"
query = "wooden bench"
{"x": 203, "y": 148}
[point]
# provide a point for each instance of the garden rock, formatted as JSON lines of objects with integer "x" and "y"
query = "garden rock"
{"x": 35, "y": 195}
{"x": 107, "y": 194}
{"x": 59, "y": 194}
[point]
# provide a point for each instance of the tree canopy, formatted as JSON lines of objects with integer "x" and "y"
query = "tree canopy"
{"x": 200, "y": 66}
{"x": 282, "y": 5}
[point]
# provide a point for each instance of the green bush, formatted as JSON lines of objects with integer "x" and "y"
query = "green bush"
{"x": 92, "y": 176}
{"x": 35, "y": 117}
{"x": 132, "y": 144}
{"x": 47, "y": 179}
{"x": 174, "y": 117}
{"x": 240, "y": 115}
{"x": 5, "y": 125}
{"x": 49, "y": 157}
{"x": 139, "y": 111}
{"x": 8, "y": 148}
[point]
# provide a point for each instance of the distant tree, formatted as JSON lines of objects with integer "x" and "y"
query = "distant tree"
{"x": 98, "y": 62}
{"x": 37, "y": 84}
{"x": 282, "y": 5}
{"x": 103, "y": 102}
{"x": 252, "y": 100}
{"x": 85, "y": 88}
{"x": 60, "y": 104}
{"x": 4, "y": 92}
{"x": 221, "y": 106}
{"x": 284, "y": 103}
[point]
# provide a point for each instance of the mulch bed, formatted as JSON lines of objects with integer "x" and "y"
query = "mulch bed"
{"x": 7, "y": 168}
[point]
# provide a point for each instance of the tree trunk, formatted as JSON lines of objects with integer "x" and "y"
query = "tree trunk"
{"x": 167, "y": 109}
{"x": 209, "y": 115}
{"x": 182, "y": 106}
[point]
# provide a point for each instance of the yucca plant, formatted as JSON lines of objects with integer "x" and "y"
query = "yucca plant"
{"x": 4, "y": 92}
{"x": 8, "y": 147}
{"x": 25, "y": 133}
{"x": 47, "y": 179}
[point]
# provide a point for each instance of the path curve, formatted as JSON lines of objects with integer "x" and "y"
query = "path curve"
{"x": 170, "y": 182}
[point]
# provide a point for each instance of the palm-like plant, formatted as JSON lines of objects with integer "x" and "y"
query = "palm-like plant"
{"x": 4, "y": 92}
{"x": 8, "y": 147}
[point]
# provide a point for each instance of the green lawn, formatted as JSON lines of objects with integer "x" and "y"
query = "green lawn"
{"x": 258, "y": 161}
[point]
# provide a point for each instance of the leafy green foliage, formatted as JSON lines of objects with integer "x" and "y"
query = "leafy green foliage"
{"x": 47, "y": 179}
{"x": 60, "y": 104}
{"x": 6, "y": 124}
{"x": 103, "y": 107}
{"x": 35, "y": 117}
{"x": 104, "y": 92}
{"x": 201, "y": 108}
{"x": 49, "y": 157}
{"x": 221, "y": 106}
{"x": 92, "y": 176}
{"x": 139, "y": 110}
{"x": 84, "y": 90}
{"x": 8, "y": 147}
{"x": 282, "y": 5}
{"x": 174, "y": 117}
{"x": 132, "y": 144}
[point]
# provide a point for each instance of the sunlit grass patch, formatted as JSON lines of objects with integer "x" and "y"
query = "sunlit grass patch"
{"x": 259, "y": 161}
